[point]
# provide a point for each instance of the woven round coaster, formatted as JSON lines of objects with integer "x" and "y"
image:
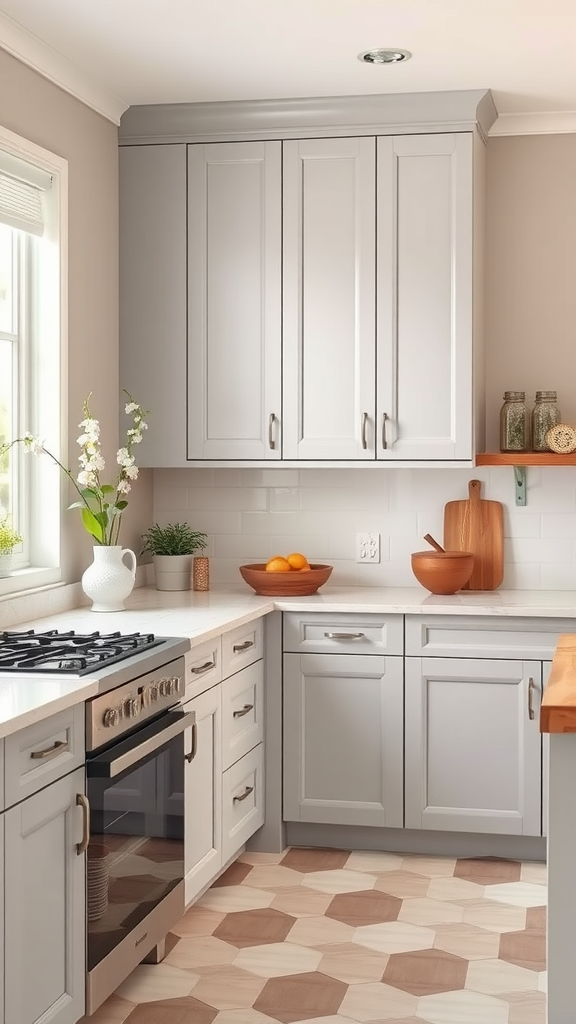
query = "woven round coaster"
{"x": 562, "y": 438}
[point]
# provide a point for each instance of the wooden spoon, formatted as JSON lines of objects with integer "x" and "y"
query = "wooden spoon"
{"x": 433, "y": 542}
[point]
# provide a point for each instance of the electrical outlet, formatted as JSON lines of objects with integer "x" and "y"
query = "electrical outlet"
{"x": 367, "y": 547}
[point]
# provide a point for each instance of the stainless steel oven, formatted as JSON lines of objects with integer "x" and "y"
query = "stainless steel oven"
{"x": 135, "y": 857}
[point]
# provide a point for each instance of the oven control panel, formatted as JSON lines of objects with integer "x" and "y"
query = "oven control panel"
{"x": 121, "y": 710}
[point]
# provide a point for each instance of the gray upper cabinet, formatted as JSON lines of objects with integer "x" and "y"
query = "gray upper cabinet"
{"x": 234, "y": 301}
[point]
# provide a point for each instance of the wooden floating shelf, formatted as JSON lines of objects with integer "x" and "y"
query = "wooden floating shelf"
{"x": 525, "y": 459}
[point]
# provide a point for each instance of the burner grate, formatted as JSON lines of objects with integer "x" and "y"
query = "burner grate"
{"x": 69, "y": 652}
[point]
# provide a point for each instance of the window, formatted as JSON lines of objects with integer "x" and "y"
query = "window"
{"x": 33, "y": 189}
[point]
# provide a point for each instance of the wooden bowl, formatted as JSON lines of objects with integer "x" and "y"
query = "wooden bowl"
{"x": 285, "y": 584}
{"x": 442, "y": 572}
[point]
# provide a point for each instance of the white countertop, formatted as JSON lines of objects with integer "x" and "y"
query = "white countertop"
{"x": 202, "y": 616}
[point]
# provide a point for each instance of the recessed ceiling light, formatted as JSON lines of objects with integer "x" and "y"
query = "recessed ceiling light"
{"x": 384, "y": 56}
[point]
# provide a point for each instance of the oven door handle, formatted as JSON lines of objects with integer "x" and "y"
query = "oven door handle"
{"x": 139, "y": 746}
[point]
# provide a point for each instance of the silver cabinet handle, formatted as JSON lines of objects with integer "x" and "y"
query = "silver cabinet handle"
{"x": 190, "y": 757}
{"x": 531, "y": 688}
{"x": 384, "y": 421}
{"x": 343, "y": 636}
{"x": 203, "y": 668}
{"x": 82, "y": 801}
{"x": 243, "y": 711}
{"x": 364, "y": 422}
{"x": 247, "y": 791}
{"x": 271, "y": 422}
{"x": 243, "y": 647}
{"x": 58, "y": 747}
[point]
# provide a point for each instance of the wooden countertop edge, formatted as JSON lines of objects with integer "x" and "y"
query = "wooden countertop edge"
{"x": 558, "y": 710}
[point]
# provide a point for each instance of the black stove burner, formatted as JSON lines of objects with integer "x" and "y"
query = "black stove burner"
{"x": 72, "y": 653}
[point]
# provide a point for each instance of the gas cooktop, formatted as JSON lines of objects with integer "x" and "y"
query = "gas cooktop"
{"x": 70, "y": 652}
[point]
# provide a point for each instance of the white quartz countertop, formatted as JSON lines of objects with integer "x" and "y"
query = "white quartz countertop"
{"x": 202, "y": 616}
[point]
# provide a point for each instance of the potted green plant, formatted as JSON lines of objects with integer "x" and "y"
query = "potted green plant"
{"x": 9, "y": 539}
{"x": 173, "y": 548}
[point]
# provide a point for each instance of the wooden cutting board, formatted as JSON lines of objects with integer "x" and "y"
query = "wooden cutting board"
{"x": 478, "y": 526}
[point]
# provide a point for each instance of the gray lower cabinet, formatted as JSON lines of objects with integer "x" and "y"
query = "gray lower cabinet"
{"x": 343, "y": 739}
{"x": 44, "y": 912}
{"x": 203, "y": 793}
{"x": 472, "y": 745}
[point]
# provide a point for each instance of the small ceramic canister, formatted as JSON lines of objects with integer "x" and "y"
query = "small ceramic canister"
{"x": 201, "y": 572}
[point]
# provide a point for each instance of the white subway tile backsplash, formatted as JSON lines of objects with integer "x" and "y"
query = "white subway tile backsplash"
{"x": 251, "y": 514}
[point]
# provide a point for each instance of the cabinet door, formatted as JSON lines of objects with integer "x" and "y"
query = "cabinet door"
{"x": 45, "y": 907}
{"x": 424, "y": 297}
{"x": 328, "y": 299}
{"x": 153, "y": 296}
{"x": 472, "y": 751}
{"x": 343, "y": 739}
{"x": 203, "y": 794}
{"x": 234, "y": 300}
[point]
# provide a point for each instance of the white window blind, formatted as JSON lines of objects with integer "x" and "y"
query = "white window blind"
{"x": 22, "y": 187}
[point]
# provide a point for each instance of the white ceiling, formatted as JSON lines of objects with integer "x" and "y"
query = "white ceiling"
{"x": 160, "y": 51}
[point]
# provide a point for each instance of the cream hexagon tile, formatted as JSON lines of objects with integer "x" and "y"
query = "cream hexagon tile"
{"x": 228, "y": 899}
{"x": 301, "y": 902}
{"x": 495, "y": 976}
{"x": 274, "y": 876}
{"x": 494, "y": 917}
{"x": 377, "y": 1001}
{"x": 374, "y": 861}
{"x": 454, "y": 889}
{"x": 394, "y": 937}
{"x": 428, "y": 911}
{"x": 403, "y": 884}
{"x": 229, "y": 988}
{"x": 243, "y": 1016}
{"x": 431, "y": 866}
{"x": 339, "y": 880}
{"x": 526, "y": 1007}
{"x": 543, "y": 981}
{"x": 463, "y": 1007}
{"x": 352, "y": 964}
{"x": 200, "y": 951}
{"x": 151, "y": 982}
{"x": 318, "y": 931}
{"x": 113, "y": 1011}
{"x": 534, "y": 871}
{"x": 277, "y": 959}
{"x": 198, "y": 921}
{"x": 518, "y": 894}
{"x": 467, "y": 940}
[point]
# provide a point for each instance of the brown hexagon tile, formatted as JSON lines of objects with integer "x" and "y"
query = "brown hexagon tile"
{"x": 173, "y": 1011}
{"x": 425, "y": 971}
{"x": 526, "y": 949}
{"x": 304, "y": 859}
{"x": 364, "y": 907}
{"x": 300, "y": 997}
{"x": 403, "y": 884}
{"x": 536, "y": 919}
{"x": 233, "y": 875}
{"x": 526, "y": 1007}
{"x": 254, "y": 927}
{"x": 487, "y": 870}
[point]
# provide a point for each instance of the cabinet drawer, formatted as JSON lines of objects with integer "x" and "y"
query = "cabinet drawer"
{"x": 343, "y": 633}
{"x": 203, "y": 667}
{"x": 463, "y": 636}
{"x": 242, "y": 717}
{"x": 242, "y": 646}
{"x": 242, "y": 801}
{"x": 43, "y": 753}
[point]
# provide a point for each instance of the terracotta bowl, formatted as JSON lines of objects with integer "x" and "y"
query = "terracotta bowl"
{"x": 442, "y": 572}
{"x": 285, "y": 584}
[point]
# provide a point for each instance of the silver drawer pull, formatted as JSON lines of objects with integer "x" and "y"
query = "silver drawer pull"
{"x": 57, "y": 748}
{"x": 531, "y": 689}
{"x": 190, "y": 757}
{"x": 364, "y": 422}
{"x": 243, "y": 647}
{"x": 247, "y": 791}
{"x": 384, "y": 441}
{"x": 82, "y": 801}
{"x": 243, "y": 711}
{"x": 344, "y": 636}
{"x": 271, "y": 422}
{"x": 203, "y": 668}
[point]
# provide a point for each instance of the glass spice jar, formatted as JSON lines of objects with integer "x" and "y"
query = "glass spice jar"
{"x": 545, "y": 414}
{"x": 513, "y": 422}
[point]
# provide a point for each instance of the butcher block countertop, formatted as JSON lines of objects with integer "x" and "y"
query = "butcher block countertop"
{"x": 558, "y": 709}
{"x": 203, "y": 616}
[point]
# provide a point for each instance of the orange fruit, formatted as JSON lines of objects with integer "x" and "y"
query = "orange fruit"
{"x": 297, "y": 561}
{"x": 277, "y": 564}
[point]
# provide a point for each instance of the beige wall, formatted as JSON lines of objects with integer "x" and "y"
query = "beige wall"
{"x": 531, "y": 271}
{"x": 33, "y": 107}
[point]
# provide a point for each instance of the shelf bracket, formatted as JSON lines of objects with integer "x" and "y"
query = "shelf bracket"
{"x": 520, "y": 482}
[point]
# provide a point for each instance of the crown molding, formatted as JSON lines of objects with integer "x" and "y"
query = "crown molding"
{"x": 555, "y": 122}
{"x": 42, "y": 58}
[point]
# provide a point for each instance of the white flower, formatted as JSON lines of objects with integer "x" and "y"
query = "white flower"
{"x": 33, "y": 444}
{"x": 131, "y": 407}
{"x": 123, "y": 457}
{"x": 123, "y": 486}
{"x": 131, "y": 472}
{"x": 91, "y": 428}
{"x": 86, "y": 479}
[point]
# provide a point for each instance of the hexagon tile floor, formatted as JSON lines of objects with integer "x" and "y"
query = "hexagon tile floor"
{"x": 332, "y": 937}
